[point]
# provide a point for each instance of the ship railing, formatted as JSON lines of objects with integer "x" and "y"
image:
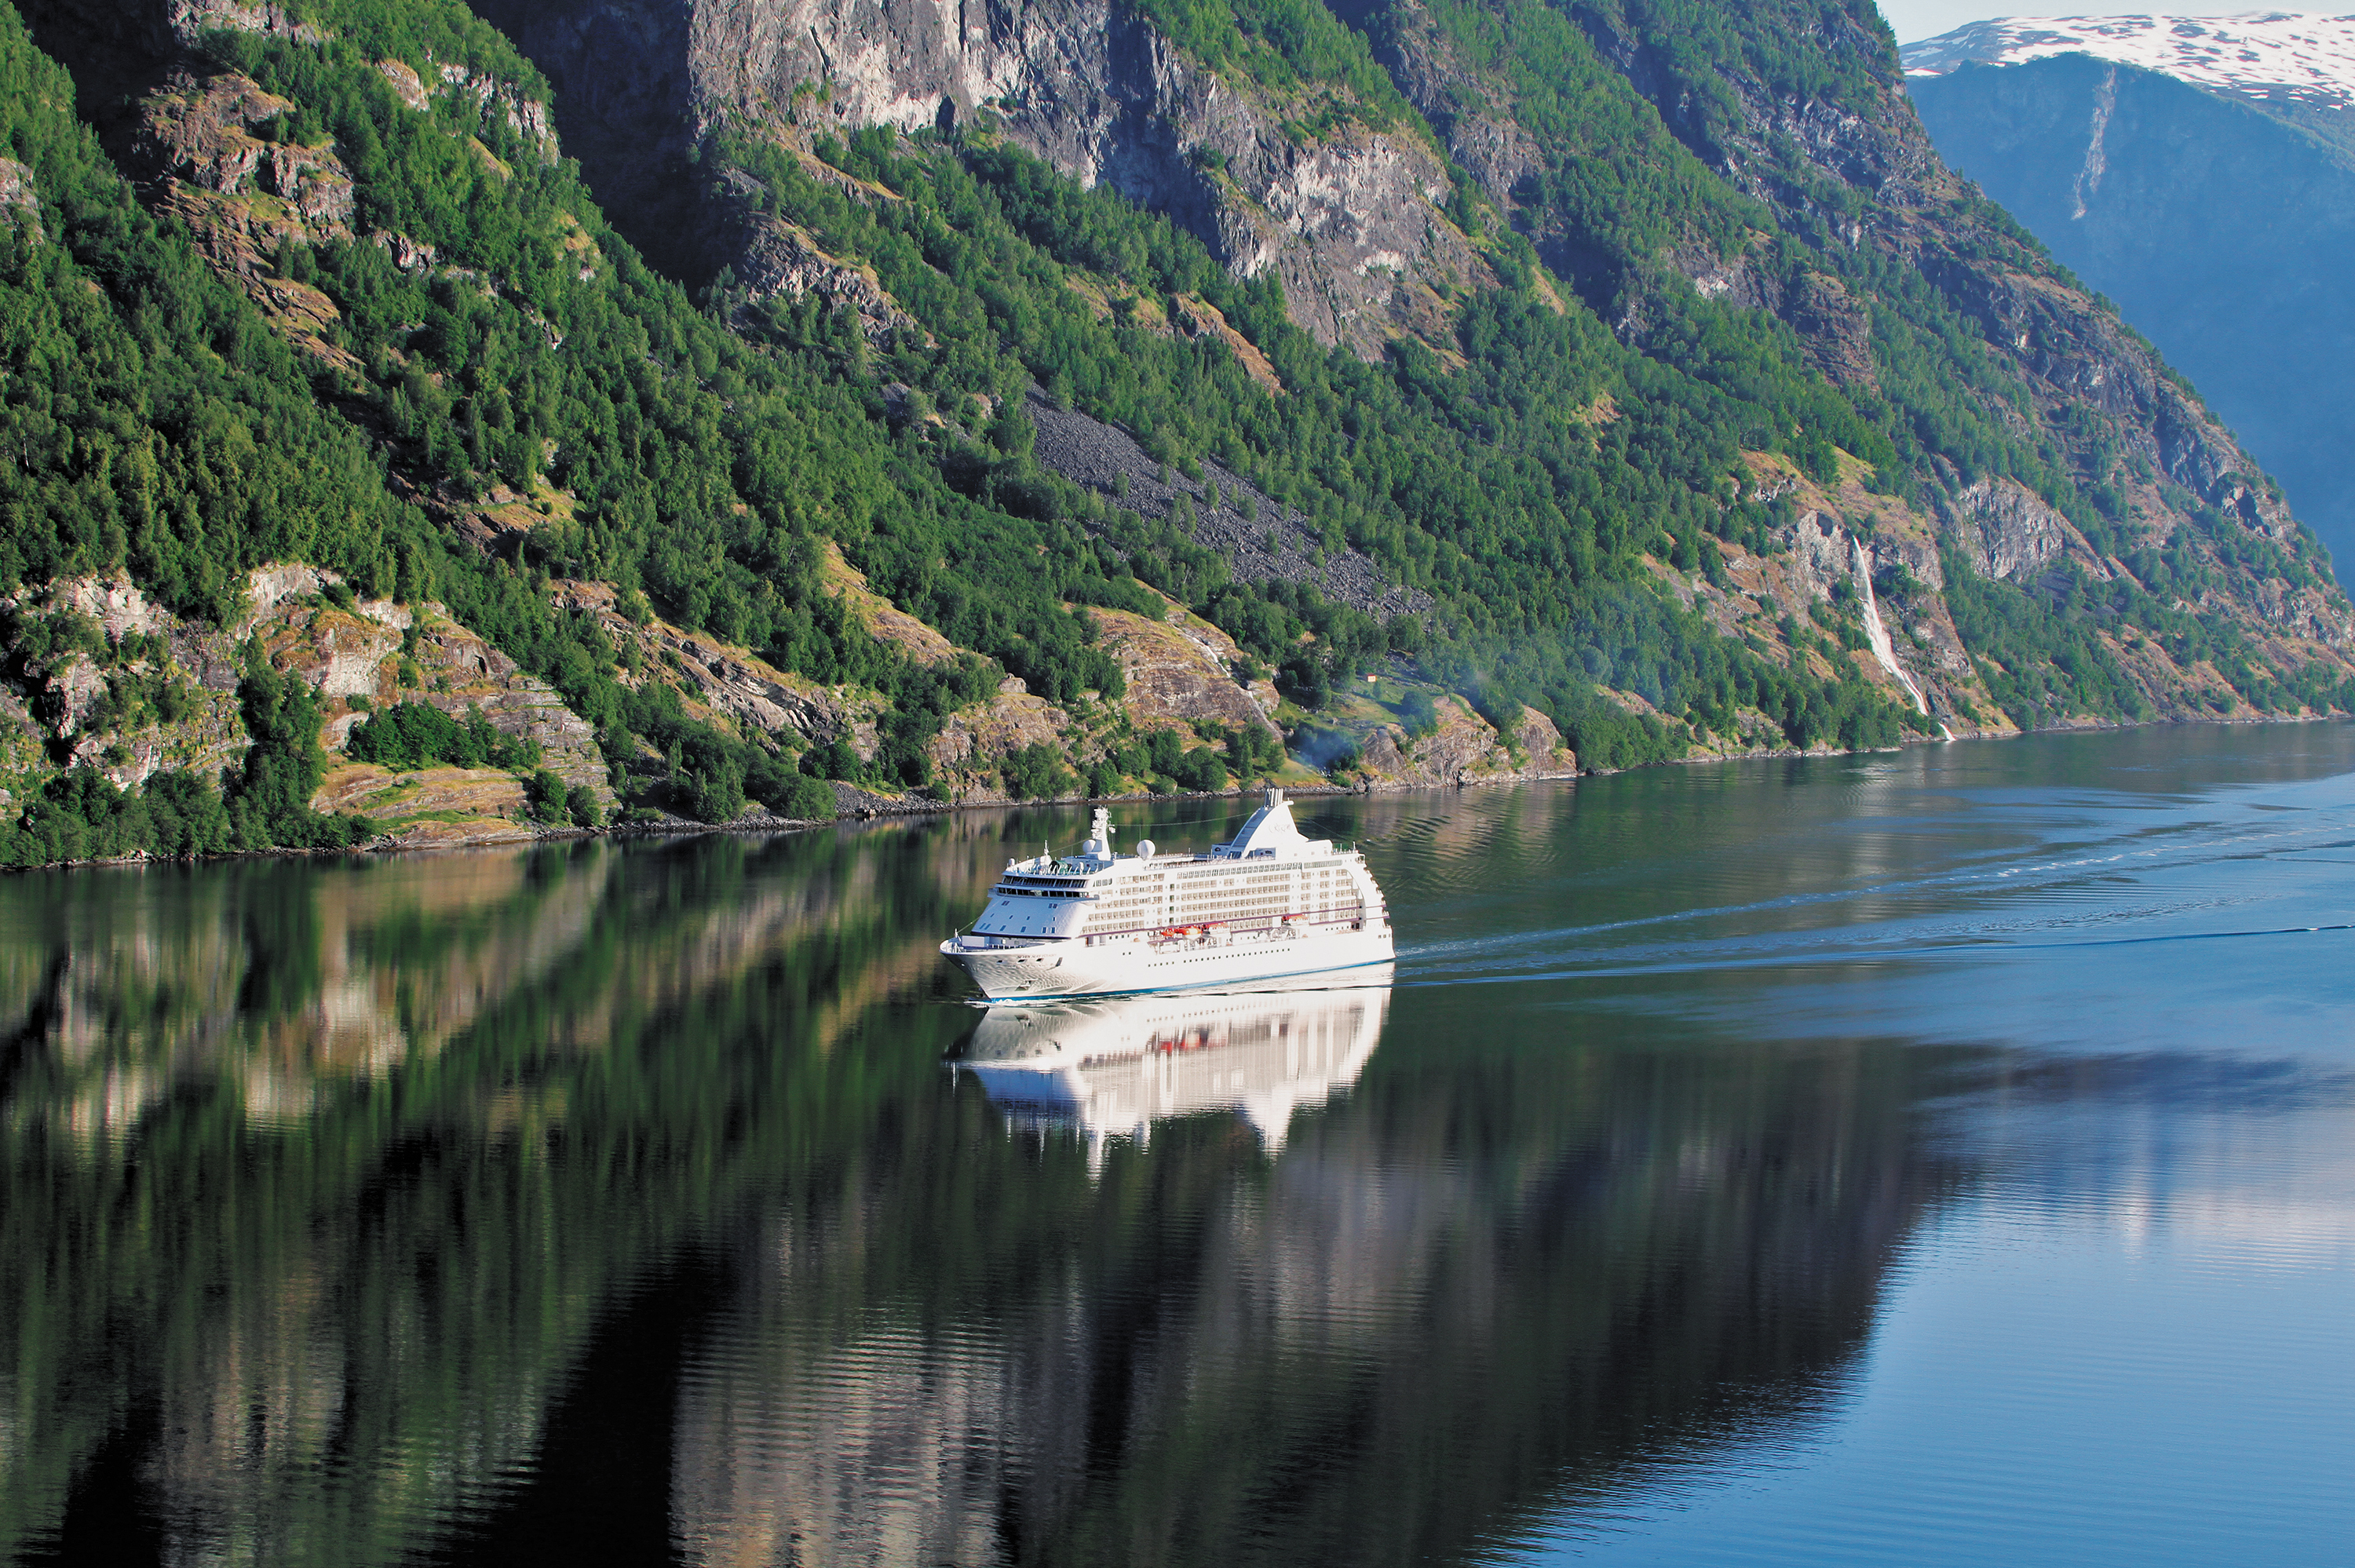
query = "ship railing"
{"x": 981, "y": 941}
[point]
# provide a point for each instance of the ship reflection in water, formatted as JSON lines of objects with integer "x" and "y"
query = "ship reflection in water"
{"x": 1110, "y": 1068}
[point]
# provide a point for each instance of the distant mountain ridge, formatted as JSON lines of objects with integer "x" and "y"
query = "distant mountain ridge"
{"x": 2295, "y": 68}
{"x": 2201, "y": 173}
{"x": 2274, "y": 57}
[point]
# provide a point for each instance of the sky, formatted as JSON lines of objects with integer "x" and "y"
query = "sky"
{"x": 1913, "y": 20}
{"x": 1918, "y": 19}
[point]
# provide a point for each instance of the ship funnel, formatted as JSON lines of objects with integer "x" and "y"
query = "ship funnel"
{"x": 1099, "y": 843}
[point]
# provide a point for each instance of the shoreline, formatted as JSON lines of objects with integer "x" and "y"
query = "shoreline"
{"x": 887, "y": 809}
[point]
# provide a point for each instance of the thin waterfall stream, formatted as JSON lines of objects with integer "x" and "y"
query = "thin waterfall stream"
{"x": 1876, "y": 633}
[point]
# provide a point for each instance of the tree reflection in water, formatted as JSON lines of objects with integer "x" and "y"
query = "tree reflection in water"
{"x": 616, "y": 1193}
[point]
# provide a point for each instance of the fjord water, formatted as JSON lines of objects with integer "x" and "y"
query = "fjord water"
{"x": 1945, "y": 1156}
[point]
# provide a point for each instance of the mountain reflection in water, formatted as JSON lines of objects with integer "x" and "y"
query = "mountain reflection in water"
{"x": 612, "y": 1198}
{"x": 1393, "y": 1334}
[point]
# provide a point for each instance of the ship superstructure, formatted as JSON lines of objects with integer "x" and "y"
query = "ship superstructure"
{"x": 1268, "y": 903}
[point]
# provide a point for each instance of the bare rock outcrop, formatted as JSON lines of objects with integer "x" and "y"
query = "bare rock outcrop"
{"x": 1261, "y": 538}
{"x": 1198, "y": 318}
{"x": 1464, "y": 748}
{"x": 1814, "y": 559}
{"x": 2306, "y": 613}
{"x": 200, "y": 133}
{"x": 1835, "y": 327}
{"x": 1349, "y": 218}
{"x": 724, "y": 681}
{"x": 2018, "y": 534}
{"x": 1180, "y": 669}
{"x": 185, "y": 22}
{"x": 20, "y": 199}
{"x": 884, "y": 620}
{"x": 191, "y": 19}
{"x": 524, "y": 115}
{"x": 462, "y": 673}
{"x": 163, "y": 692}
{"x": 243, "y": 195}
{"x": 781, "y": 258}
{"x": 966, "y": 752}
{"x": 127, "y": 710}
{"x": 383, "y": 653}
{"x": 2095, "y": 394}
{"x": 407, "y": 85}
{"x": 1470, "y": 109}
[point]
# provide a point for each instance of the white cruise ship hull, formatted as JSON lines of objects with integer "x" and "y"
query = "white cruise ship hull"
{"x": 1070, "y": 967}
{"x": 1266, "y": 904}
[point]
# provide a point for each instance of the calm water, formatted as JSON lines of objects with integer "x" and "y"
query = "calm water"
{"x": 1940, "y": 1158}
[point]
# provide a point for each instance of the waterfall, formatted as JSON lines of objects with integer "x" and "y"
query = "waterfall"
{"x": 1878, "y": 634}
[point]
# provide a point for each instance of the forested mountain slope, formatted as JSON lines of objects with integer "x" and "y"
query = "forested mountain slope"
{"x": 1598, "y": 366}
{"x": 1738, "y": 192}
{"x": 2210, "y": 190}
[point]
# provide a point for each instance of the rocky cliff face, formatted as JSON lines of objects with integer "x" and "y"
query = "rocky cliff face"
{"x": 2068, "y": 349}
{"x": 2221, "y": 228}
{"x": 1350, "y": 221}
{"x": 1462, "y": 748}
{"x": 2104, "y": 404}
{"x": 1349, "y": 218}
{"x": 1180, "y": 670}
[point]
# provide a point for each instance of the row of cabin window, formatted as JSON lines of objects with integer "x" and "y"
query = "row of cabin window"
{"x": 1336, "y": 912}
{"x": 1194, "y": 898}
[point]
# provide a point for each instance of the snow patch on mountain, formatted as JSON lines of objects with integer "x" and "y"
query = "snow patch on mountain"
{"x": 2270, "y": 57}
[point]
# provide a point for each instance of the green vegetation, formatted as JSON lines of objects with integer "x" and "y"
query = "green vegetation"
{"x": 1614, "y": 176}
{"x": 409, "y": 736}
{"x": 1036, "y": 772}
{"x": 1527, "y": 470}
{"x": 703, "y": 471}
{"x": 161, "y": 427}
{"x": 155, "y": 423}
{"x": 1492, "y": 487}
{"x": 139, "y": 689}
{"x": 1294, "y": 47}
{"x": 1418, "y": 714}
{"x": 1835, "y": 52}
{"x": 82, "y": 816}
{"x": 1165, "y": 764}
{"x": 1619, "y": 190}
{"x": 2043, "y": 658}
{"x": 269, "y": 795}
{"x": 261, "y": 804}
{"x": 549, "y": 800}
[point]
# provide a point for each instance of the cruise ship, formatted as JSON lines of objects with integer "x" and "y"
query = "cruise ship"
{"x": 1270, "y": 903}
